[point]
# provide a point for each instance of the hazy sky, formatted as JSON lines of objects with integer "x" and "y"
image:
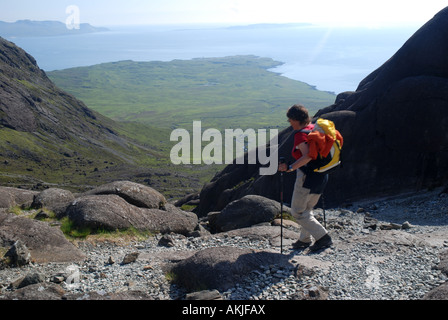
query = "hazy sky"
{"x": 124, "y": 12}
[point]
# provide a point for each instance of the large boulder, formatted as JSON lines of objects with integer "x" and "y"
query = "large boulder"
{"x": 394, "y": 128}
{"x": 246, "y": 212}
{"x": 54, "y": 199}
{"x": 112, "y": 212}
{"x": 443, "y": 264}
{"x": 54, "y": 292}
{"x": 439, "y": 293}
{"x": 37, "y": 292}
{"x": 102, "y": 212}
{"x": 221, "y": 268}
{"x": 45, "y": 243}
{"x": 172, "y": 220}
{"x": 395, "y": 123}
{"x": 10, "y": 197}
{"x": 134, "y": 193}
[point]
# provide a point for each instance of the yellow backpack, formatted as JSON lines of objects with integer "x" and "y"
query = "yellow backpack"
{"x": 333, "y": 159}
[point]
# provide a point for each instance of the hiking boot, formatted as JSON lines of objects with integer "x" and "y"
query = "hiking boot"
{"x": 322, "y": 243}
{"x": 300, "y": 245}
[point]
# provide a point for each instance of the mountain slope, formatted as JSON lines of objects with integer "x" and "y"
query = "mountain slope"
{"x": 48, "y": 136}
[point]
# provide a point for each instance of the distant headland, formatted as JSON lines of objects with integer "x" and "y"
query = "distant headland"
{"x": 29, "y": 28}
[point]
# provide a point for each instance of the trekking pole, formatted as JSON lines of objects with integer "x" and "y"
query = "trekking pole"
{"x": 323, "y": 207}
{"x": 282, "y": 160}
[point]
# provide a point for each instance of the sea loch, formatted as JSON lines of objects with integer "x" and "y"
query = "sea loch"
{"x": 331, "y": 59}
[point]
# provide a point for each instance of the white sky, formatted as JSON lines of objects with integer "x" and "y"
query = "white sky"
{"x": 127, "y": 12}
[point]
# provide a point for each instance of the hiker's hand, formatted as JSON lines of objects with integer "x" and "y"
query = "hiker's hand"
{"x": 283, "y": 167}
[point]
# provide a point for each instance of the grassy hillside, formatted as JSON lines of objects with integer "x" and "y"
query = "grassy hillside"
{"x": 230, "y": 92}
{"x": 50, "y": 138}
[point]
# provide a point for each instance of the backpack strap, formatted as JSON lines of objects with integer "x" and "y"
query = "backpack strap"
{"x": 303, "y": 131}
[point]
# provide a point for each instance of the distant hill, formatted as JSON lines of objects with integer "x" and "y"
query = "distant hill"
{"x": 265, "y": 26}
{"x": 29, "y": 28}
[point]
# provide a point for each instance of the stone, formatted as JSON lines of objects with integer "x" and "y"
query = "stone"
{"x": 137, "y": 194}
{"x": 130, "y": 258}
{"x": 390, "y": 226}
{"x": 406, "y": 225}
{"x": 16, "y": 197}
{"x": 109, "y": 212}
{"x": 221, "y": 268}
{"x": 286, "y": 223}
{"x": 204, "y": 295}
{"x": 443, "y": 264}
{"x": 246, "y": 212}
{"x": 166, "y": 241}
{"x": 54, "y": 199}
{"x": 40, "y": 291}
{"x": 112, "y": 212}
{"x": 45, "y": 243}
{"x": 29, "y": 279}
{"x": 18, "y": 255}
{"x": 111, "y": 260}
{"x": 439, "y": 293}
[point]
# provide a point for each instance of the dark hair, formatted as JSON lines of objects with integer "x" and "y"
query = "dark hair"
{"x": 300, "y": 113}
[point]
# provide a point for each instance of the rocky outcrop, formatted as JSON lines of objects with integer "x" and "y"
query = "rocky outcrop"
{"x": 395, "y": 122}
{"x": 117, "y": 206}
{"x": 134, "y": 193}
{"x": 45, "y": 243}
{"x": 246, "y": 212}
{"x": 111, "y": 212}
{"x": 11, "y": 197}
{"x": 394, "y": 129}
{"x": 220, "y": 268}
{"x": 441, "y": 292}
{"x": 54, "y": 199}
{"x": 121, "y": 205}
{"x": 31, "y": 102}
{"x": 53, "y": 292}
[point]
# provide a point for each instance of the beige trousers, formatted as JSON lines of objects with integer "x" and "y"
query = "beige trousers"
{"x": 302, "y": 205}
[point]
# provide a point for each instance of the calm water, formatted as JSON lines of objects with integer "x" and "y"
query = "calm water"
{"x": 332, "y": 59}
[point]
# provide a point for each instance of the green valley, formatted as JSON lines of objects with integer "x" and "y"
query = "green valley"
{"x": 229, "y": 92}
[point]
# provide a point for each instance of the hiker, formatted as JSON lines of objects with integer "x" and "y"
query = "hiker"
{"x": 309, "y": 185}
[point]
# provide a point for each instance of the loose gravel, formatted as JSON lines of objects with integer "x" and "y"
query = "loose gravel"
{"x": 351, "y": 269}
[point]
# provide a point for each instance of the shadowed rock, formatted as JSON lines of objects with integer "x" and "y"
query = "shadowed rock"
{"x": 111, "y": 212}
{"x": 45, "y": 243}
{"x": 221, "y": 268}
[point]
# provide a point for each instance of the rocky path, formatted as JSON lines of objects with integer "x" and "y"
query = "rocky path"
{"x": 383, "y": 250}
